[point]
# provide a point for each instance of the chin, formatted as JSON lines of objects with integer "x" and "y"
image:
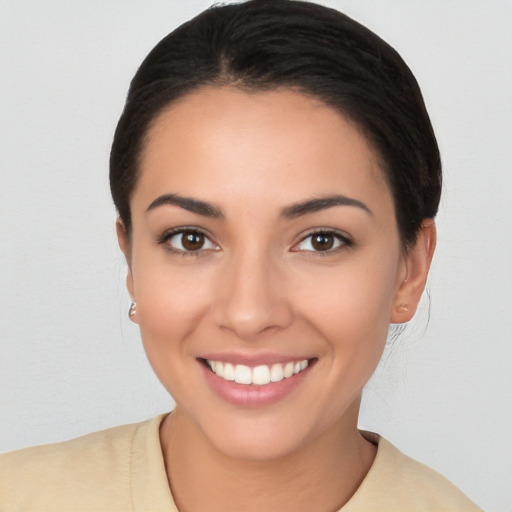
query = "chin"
{"x": 258, "y": 445}
{"x": 259, "y": 436}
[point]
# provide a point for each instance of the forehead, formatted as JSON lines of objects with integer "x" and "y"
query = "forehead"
{"x": 278, "y": 144}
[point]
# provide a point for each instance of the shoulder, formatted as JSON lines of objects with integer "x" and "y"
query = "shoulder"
{"x": 78, "y": 474}
{"x": 397, "y": 482}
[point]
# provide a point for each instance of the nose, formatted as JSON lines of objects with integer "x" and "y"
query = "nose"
{"x": 252, "y": 298}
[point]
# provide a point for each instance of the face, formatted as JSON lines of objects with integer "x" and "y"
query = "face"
{"x": 266, "y": 265}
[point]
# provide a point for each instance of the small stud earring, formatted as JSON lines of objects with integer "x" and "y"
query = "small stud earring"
{"x": 402, "y": 308}
{"x": 132, "y": 310}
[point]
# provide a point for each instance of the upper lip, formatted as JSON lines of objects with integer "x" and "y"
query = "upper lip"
{"x": 253, "y": 359}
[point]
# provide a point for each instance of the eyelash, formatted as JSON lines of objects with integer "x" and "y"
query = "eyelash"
{"x": 168, "y": 235}
{"x": 344, "y": 241}
{"x": 342, "y": 238}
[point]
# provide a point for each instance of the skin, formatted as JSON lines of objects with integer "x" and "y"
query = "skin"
{"x": 258, "y": 286}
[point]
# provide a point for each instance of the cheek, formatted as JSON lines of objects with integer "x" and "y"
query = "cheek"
{"x": 170, "y": 301}
{"x": 350, "y": 304}
{"x": 170, "y": 305}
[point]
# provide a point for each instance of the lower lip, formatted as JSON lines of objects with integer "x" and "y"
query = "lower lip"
{"x": 250, "y": 395}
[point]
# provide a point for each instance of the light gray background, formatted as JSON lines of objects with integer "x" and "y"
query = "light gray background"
{"x": 71, "y": 362}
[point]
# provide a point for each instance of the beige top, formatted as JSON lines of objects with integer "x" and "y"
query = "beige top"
{"x": 122, "y": 469}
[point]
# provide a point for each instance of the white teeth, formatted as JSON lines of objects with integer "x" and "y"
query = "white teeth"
{"x": 259, "y": 375}
{"x": 276, "y": 373}
{"x": 229, "y": 371}
{"x": 219, "y": 367}
{"x": 242, "y": 374}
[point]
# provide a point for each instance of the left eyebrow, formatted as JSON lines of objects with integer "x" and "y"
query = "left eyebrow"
{"x": 322, "y": 203}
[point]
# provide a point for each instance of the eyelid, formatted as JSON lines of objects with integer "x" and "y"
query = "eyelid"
{"x": 169, "y": 233}
{"x": 341, "y": 236}
{"x": 344, "y": 239}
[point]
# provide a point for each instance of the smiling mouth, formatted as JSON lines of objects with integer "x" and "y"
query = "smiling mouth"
{"x": 258, "y": 375}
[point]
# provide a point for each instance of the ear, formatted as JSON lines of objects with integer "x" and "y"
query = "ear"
{"x": 125, "y": 246}
{"x": 416, "y": 266}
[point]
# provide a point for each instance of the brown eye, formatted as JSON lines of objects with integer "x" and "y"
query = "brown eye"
{"x": 192, "y": 241}
{"x": 188, "y": 241}
{"x": 322, "y": 242}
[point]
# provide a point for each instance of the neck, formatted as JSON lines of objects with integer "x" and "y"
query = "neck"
{"x": 321, "y": 475}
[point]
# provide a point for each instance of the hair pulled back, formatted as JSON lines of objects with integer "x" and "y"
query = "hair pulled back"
{"x": 267, "y": 44}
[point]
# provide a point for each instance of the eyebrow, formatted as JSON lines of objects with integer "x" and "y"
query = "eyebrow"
{"x": 321, "y": 203}
{"x": 187, "y": 203}
{"x": 289, "y": 212}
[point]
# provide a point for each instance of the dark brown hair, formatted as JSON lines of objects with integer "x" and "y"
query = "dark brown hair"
{"x": 268, "y": 44}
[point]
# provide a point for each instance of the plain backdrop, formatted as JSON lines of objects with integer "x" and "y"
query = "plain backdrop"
{"x": 72, "y": 363}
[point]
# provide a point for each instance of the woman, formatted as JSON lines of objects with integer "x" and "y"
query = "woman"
{"x": 276, "y": 177}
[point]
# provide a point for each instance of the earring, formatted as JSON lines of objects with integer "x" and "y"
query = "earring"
{"x": 132, "y": 310}
{"x": 402, "y": 308}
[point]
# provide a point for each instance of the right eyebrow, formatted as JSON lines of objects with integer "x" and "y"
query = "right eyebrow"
{"x": 187, "y": 203}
